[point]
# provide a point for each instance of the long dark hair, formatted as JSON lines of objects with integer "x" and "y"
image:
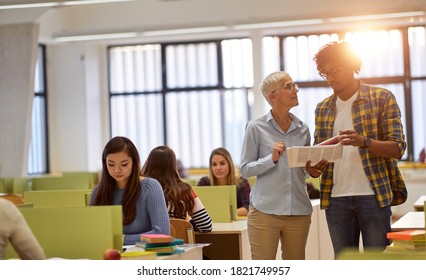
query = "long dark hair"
{"x": 161, "y": 165}
{"x": 108, "y": 184}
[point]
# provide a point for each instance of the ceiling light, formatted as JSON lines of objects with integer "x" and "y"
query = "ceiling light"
{"x": 183, "y": 31}
{"x": 106, "y": 36}
{"x": 378, "y": 16}
{"x": 48, "y": 4}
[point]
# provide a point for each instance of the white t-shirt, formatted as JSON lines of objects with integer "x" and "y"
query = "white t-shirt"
{"x": 348, "y": 175}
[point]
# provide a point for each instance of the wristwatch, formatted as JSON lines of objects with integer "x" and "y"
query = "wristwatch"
{"x": 367, "y": 143}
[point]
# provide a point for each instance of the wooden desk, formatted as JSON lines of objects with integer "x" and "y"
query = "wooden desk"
{"x": 419, "y": 205}
{"x": 411, "y": 220}
{"x": 229, "y": 241}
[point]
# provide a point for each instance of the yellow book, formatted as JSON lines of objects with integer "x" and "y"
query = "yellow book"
{"x": 139, "y": 255}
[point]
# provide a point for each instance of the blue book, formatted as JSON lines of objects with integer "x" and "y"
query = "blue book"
{"x": 176, "y": 251}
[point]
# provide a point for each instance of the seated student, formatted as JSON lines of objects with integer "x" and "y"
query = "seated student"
{"x": 142, "y": 199}
{"x": 181, "y": 200}
{"x": 222, "y": 172}
{"x": 422, "y": 155}
{"x": 183, "y": 172}
{"x": 312, "y": 191}
{"x": 15, "y": 229}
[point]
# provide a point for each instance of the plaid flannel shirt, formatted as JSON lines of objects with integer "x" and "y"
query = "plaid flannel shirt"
{"x": 375, "y": 114}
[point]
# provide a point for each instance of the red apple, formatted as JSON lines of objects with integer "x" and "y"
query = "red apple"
{"x": 112, "y": 254}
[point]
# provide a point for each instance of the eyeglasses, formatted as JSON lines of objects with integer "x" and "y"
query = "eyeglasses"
{"x": 289, "y": 86}
{"x": 332, "y": 72}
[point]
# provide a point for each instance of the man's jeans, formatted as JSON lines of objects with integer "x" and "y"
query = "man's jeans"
{"x": 348, "y": 216}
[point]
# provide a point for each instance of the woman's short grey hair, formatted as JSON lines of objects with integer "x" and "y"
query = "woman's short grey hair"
{"x": 271, "y": 83}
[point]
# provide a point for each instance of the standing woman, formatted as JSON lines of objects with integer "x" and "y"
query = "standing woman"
{"x": 142, "y": 199}
{"x": 221, "y": 173}
{"x": 182, "y": 202}
{"x": 280, "y": 208}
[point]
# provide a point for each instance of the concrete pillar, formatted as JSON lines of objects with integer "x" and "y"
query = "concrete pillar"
{"x": 18, "y": 56}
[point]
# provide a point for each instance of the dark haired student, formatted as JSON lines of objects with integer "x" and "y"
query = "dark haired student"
{"x": 142, "y": 199}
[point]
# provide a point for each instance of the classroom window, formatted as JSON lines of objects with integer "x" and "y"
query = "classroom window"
{"x": 417, "y": 45}
{"x": 199, "y": 101}
{"x": 382, "y": 53}
{"x": 38, "y": 156}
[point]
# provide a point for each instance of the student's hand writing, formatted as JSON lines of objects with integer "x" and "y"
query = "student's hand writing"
{"x": 316, "y": 170}
{"x": 277, "y": 150}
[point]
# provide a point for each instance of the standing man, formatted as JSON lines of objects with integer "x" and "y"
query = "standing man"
{"x": 358, "y": 190}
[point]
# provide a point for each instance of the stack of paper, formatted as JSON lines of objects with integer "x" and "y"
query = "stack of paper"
{"x": 330, "y": 150}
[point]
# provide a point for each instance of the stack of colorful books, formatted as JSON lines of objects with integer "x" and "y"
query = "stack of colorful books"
{"x": 161, "y": 244}
{"x": 413, "y": 240}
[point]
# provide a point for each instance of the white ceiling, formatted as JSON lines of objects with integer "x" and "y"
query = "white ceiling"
{"x": 140, "y": 16}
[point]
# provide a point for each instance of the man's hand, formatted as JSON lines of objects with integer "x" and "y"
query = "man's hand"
{"x": 316, "y": 170}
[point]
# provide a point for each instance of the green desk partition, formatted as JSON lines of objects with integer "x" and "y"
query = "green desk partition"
{"x": 74, "y": 233}
{"x": 60, "y": 183}
{"x": 252, "y": 181}
{"x": 6, "y": 185}
{"x": 92, "y": 177}
{"x": 87, "y": 198}
{"x": 56, "y": 198}
{"x": 314, "y": 181}
{"x": 14, "y": 184}
{"x": 380, "y": 255}
{"x": 21, "y": 184}
{"x": 191, "y": 181}
{"x": 220, "y": 202}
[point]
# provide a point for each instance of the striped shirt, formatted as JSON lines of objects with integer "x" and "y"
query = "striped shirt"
{"x": 375, "y": 114}
{"x": 200, "y": 219}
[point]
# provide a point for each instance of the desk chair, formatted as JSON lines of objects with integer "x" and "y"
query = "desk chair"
{"x": 182, "y": 229}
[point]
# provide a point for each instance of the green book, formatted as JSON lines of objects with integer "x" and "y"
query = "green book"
{"x": 410, "y": 244}
{"x": 162, "y": 249}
